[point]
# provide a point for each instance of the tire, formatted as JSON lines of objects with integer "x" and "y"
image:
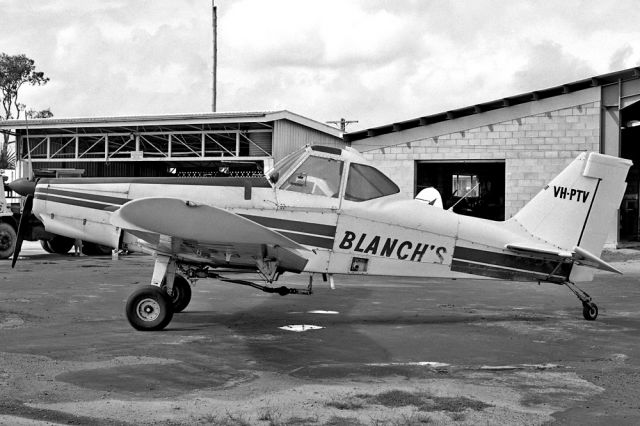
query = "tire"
{"x": 93, "y": 249}
{"x": 181, "y": 293}
{"x": 60, "y": 244}
{"x": 149, "y": 308}
{"x": 589, "y": 311}
{"x": 45, "y": 246}
{"x": 8, "y": 239}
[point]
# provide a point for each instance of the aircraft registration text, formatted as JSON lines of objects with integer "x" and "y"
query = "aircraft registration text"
{"x": 572, "y": 194}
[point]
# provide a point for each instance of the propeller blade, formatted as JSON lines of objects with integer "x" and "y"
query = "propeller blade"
{"x": 22, "y": 228}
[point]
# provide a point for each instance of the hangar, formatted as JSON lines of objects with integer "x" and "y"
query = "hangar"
{"x": 208, "y": 144}
{"x": 497, "y": 155}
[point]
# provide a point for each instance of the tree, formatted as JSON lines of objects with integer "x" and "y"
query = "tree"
{"x": 45, "y": 113}
{"x": 15, "y": 72}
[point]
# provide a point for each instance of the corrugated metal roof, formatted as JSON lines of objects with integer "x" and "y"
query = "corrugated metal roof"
{"x": 600, "y": 80}
{"x": 169, "y": 119}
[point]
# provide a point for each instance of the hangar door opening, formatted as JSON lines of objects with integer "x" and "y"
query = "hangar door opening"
{"x": 630, "y": 149}
{"x": 473, "y": 188}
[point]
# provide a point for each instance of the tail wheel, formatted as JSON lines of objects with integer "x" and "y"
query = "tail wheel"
{"x": 8, "y": 238}
{"x": 181, "y": 293}
{"x": 149, "y": 308}
{"x": 589, "y": 311}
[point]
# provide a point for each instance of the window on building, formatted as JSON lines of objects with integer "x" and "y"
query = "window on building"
{"x": 484, "y": 181}
{"x": 465, "y": 185}
{"x": 366, "y": 183}
{"x": 316, "y": 176}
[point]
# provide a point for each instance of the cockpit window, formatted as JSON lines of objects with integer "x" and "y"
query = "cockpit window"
{"x": 316, "y": 176}
{"x": 366, "y": 183}
{"x": 285, "y": 164}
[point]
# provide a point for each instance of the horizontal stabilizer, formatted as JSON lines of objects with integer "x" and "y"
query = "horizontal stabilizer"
{"x": 583, "y": 257}
{"x": 539, "y": 249}
{"x": 578, "y": 255}
{"x": 202, "y": 223}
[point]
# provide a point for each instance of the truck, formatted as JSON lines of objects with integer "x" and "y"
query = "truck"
{"x": 9, "y": 219}
{"x": 11, "y": 213}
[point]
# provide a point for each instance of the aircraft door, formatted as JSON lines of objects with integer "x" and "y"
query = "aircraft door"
{"x": 308, "y": 200}
{"x": 369, "y": 239}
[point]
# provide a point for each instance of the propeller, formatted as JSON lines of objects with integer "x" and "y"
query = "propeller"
{"x": 22, "y": 227}
{"x": 23, "y": 186}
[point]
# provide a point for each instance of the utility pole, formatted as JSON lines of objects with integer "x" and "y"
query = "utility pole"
{"x": 215, "y": 55}
{"x": 343, "y": 123}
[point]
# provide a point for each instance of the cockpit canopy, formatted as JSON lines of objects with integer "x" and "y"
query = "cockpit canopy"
{"x": 319, "y": 170}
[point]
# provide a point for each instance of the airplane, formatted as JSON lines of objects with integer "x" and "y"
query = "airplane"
{"x": 327, "y": 211}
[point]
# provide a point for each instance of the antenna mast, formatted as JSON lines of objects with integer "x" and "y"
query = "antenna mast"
{"x": 215, "y": 54}
{"x": 343, "y": 123}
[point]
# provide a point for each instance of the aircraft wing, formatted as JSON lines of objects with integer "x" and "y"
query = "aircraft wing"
{"x": 196, "y": 227}
{"x": 578, "y": 255}
{"x": 188, "y": 221}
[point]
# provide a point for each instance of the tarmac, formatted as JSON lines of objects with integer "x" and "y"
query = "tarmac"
{"x": 373, "y": 351}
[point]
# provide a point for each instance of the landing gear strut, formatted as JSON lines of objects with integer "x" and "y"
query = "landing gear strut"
{"x": 151, "y": 307}
{"x": 589, "y": 309}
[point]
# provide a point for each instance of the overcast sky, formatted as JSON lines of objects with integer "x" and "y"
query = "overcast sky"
{"x": 376, "y": 61}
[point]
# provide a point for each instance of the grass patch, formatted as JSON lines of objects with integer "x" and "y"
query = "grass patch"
{"x": 270, "y": 415}
{"x": 413, "y": 419}
{"x": 301, "y": 421}
{"x": 350, "y": 403}
{"x": 343, "y": 421}
{"x": 226, "y": 420}
{"x": 423, "y": 401}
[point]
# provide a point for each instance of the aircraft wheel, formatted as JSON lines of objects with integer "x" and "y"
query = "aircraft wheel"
{"x": 181, "y": 293}
{"x": 8, "y": 238}
{"x": 45, "y": 246}
{"x": 149, "y": 308}
{"x": 589, "y": 311}
{"x": 60, "y": 244}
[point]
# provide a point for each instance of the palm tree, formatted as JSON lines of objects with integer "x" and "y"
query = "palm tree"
{"x": 7, "y": 160}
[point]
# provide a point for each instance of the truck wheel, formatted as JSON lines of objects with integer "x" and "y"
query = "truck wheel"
{"x": 7, "y": 240}
{"x": 93, "y": 249}
{"x": 45, "y": 246}
{"x": 60, "y": 244}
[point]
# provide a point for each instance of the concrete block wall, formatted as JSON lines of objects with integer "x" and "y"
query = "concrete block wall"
{"x": 534, "y": 148}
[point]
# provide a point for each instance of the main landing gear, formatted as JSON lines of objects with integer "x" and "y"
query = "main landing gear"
{"x": 151, "y": 307}
{"x": 589, "y": 309}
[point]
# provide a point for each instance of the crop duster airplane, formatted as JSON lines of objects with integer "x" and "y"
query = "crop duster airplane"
{"x": 324, "y": 210}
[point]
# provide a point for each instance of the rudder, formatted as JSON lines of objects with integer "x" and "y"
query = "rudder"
{"x": 576, "y": 207}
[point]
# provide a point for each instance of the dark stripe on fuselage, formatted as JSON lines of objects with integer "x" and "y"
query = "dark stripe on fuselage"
{"x": 75, "y": 202}
{"x": 309, "y": 240}
{"x": 83, "y": 195}
{"x": 293, "y": 225}
{"x": 256, "y": 182}
{"x": 508, "y": 266}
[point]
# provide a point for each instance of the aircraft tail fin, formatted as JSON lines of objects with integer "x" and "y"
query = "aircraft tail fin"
{"x": 578, "y": 207}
